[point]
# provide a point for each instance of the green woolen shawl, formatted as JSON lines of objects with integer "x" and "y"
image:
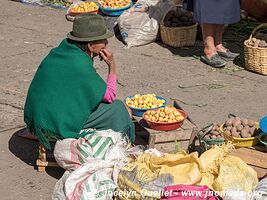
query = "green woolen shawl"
{"x": 65, "y": 90}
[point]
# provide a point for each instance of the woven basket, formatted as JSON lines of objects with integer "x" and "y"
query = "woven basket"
{"x": 256, "y": 57}
{"x": 178, "y": 36}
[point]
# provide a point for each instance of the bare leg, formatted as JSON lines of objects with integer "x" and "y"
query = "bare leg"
{"x": 221, "y": 50}
{"x": 208, "y": 32}
{"x": 219, "y": 28}
{"x": 211, "y": 56}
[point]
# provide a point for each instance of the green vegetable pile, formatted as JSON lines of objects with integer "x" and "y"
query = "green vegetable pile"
{"x": 244, "y": 27}
{"x": 62, "y": 3}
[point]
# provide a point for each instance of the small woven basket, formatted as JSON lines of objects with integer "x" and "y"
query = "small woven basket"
{"x": 178, "y": 36}
{"x": 256, "y": 57}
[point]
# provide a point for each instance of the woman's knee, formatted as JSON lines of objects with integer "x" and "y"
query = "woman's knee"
{"x": 122, "y": 105}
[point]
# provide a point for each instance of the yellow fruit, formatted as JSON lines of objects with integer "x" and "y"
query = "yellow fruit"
{"x": 178, "y": 118}
{"x": 161, "y": 109}
{"x": 145, "y": 101}
{"x": 162, "y": 114}
{"x": 176, "y": 113}
{"x": 171, "y": 116}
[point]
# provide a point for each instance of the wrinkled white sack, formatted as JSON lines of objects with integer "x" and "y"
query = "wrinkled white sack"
{"x": 140, "y": 24}
{"x": 91, "y": 171}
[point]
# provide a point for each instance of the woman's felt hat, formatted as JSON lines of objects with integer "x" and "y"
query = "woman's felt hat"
{"x": 89, "y": 27}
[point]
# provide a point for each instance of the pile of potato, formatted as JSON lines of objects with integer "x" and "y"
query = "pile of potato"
{"x": 166, "y": 114}
{"x": 240, "y": 128}
{"x": 145, "y": 101}
{"x": 178, "y": 18}
{"x": 259, "y": 40}
{"x": 214, "y": 133}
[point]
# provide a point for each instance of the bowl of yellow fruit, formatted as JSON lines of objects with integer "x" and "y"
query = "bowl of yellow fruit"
{"x": 165, "y": 119}
{"x": 114, "y": 7}
{"x": 139, "y": 104}
{"x": 83, "y": 7}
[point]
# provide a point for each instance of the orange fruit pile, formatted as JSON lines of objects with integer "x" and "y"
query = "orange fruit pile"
{"x": 84, "y": 7}
{"x": 114, "y": 3}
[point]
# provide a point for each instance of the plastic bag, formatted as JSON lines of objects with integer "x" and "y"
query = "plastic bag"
{"x": 232, "y": 171}
{"x": 146, "y": 177}
{"x": 187, "y": 192}
{"x": 223, "y": 172}
{"x": 58, "y": 4}
{"x": 92, "y": 165}
{"x": 259, "y": 193}
{"x": 140, "y": 24}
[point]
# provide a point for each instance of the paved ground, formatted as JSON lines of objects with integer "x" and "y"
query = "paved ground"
{"x": 29, "y": 32}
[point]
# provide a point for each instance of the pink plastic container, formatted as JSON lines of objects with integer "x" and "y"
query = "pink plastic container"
{"x": 188, "y": 192}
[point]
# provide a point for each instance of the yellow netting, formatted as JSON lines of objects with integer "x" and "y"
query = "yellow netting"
{"x": 215, "y": 168}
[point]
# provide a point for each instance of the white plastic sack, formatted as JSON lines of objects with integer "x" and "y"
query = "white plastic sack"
{"x": 92, "y": 166}
{"x": 260, "y": 192}
{"x": 140, "y": 24}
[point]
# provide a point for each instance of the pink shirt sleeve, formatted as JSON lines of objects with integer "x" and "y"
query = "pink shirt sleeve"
{"x": 111, "y": 89}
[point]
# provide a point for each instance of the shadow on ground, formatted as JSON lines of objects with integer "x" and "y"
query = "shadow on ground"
{"x": 27, "y": 151}
{"x": 193, "y": 51}
{"x": 231, "y": 40}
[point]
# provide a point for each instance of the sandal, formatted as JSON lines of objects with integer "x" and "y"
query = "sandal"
{"x": 215, "y": 61}
{"x": 228, "y": 55}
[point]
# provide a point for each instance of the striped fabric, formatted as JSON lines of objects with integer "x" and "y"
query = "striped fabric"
{"x": 92, "y": 165}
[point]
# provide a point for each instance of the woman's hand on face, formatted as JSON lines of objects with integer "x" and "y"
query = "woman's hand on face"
{"x": 107, "y": 57}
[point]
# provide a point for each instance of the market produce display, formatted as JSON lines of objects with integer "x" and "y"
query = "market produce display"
{"x": 259, "y": 40}
{"x": 114, "y": 4}
{"x": 178, "y": 18}
{"x": 84, "y": 7}
{"x": 240, "y": 128}
{"x": 215, "y": 133}
{"x": 57, "y": 3}
{"x": 144, "y": 101}
{"x": 167, "y": 114}
{"x": 244, "y": 27}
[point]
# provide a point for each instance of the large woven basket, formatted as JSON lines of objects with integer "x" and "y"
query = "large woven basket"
{"x": 256, "y": 57}
{"x": 178, "y": 36}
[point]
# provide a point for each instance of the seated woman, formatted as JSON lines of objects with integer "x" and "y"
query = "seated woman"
{"x": 67, "y": 95}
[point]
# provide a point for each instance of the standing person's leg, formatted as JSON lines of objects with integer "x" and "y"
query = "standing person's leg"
{"x": 221, "y": 50}
{"x": 219, "y": 29}
{"x": 211, "y": 57}
{"x": 208, "y": 32}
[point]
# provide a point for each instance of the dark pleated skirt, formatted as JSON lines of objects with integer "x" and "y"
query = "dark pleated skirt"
{"x": 215, "y": 11}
